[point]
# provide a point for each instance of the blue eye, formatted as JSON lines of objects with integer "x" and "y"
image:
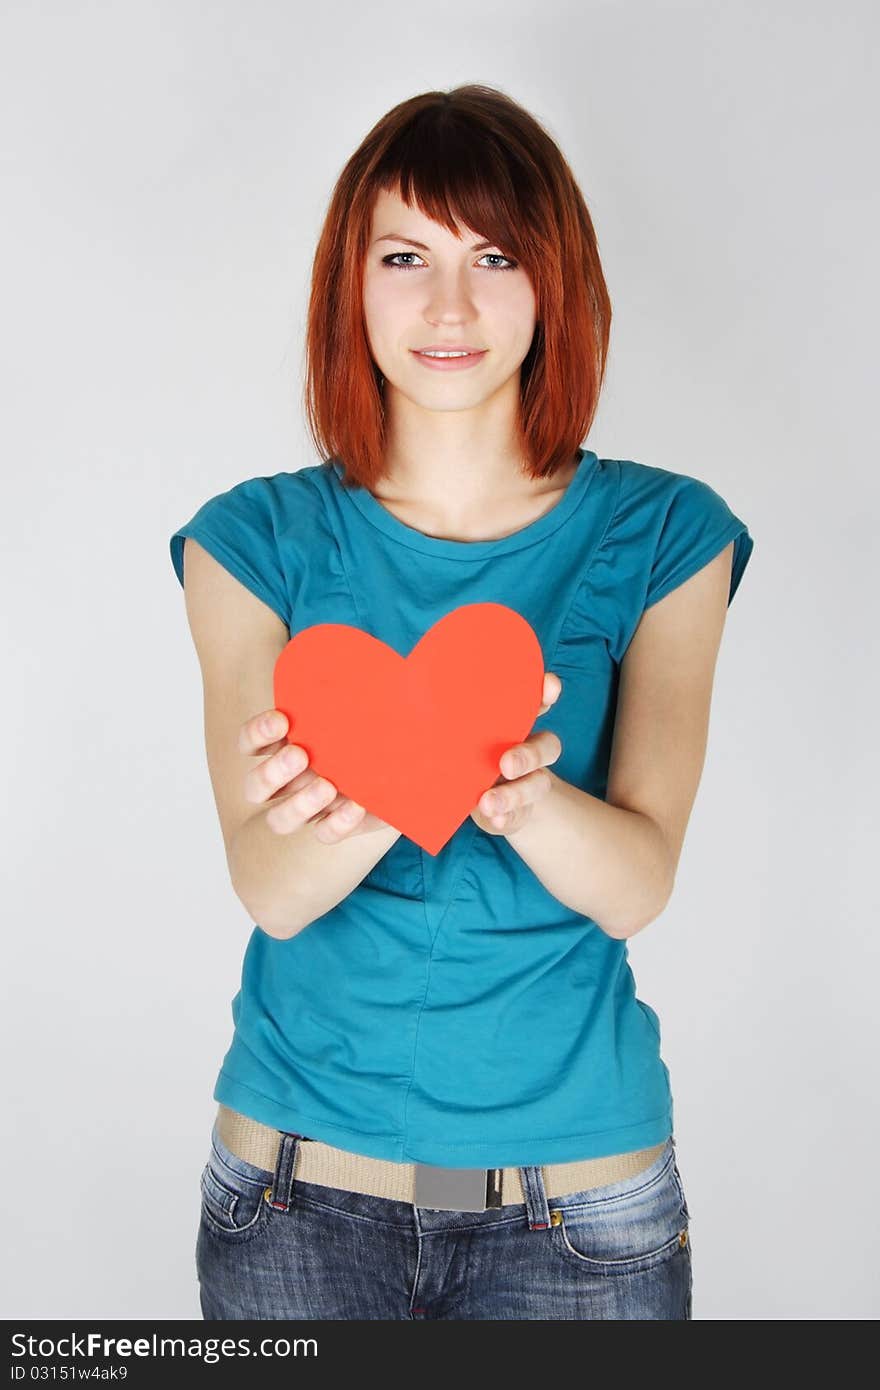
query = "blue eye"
{"x": 492, "y": 255}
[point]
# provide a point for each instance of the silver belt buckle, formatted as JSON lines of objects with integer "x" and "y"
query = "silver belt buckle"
{"x": 457, "y": 1189}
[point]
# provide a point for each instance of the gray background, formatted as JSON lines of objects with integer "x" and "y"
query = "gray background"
{"x": 166, "y": 168}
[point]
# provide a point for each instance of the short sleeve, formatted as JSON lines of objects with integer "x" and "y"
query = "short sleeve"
{"x": 694, "y": 525}
{"x": 239, "y": 528}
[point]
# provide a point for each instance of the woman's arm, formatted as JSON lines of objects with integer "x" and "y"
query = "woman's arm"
{"x": 292, "y": 880}
{"x": 285, "y": 881}
{"x": 603, "y": 861}
{"x": 615, "y": 860}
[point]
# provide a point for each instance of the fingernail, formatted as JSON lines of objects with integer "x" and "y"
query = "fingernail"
{"x": 270, "y": 725}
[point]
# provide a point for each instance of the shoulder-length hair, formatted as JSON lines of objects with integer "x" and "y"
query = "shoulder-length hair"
{"x": 471, "y": 155}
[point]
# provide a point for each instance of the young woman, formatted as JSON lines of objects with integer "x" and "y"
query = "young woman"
{"x": 442, "y": 1097}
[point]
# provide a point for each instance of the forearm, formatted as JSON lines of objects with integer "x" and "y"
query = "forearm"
{"x": 600, "y": 860}
{"x": 287, "y": 881}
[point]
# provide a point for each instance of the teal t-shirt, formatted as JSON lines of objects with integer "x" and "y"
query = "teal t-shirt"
{"x": 450, "y": 1010}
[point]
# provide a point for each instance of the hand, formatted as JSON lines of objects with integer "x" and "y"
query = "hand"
{"x": 299, "y": 794}
{"x": 524, "y": 784}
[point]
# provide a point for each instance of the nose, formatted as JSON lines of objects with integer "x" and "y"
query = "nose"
{"x": 449, "y": 301}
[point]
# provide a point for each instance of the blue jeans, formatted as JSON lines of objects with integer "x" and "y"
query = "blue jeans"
{"x": 622, "y": 1250}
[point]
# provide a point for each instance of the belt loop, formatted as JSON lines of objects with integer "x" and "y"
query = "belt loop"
{"x": 281, "y": 1194}
{"x": 537, "y": 1206}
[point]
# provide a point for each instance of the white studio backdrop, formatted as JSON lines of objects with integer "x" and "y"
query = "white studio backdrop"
{"x": 166, "y": 169}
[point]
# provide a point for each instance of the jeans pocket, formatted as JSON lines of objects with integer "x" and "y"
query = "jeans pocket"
{"x": 625, "y": 1227}
{"x": 233, "y": 1202}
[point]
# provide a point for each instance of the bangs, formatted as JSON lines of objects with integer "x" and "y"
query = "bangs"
{"x": 452, "y": 173}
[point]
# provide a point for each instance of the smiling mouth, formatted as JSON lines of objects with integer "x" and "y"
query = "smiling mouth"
{"x": 447, "y": 351}
{"x": 449, "y": 358}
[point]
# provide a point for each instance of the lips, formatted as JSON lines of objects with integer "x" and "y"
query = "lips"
{"x": 449, "y": 347}
{"x": 468, "y": 358}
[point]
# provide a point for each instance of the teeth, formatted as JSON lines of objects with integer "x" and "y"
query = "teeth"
{"x": 445, "y": 354}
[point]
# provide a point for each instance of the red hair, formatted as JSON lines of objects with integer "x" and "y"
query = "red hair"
{"x": 470, "y": 155}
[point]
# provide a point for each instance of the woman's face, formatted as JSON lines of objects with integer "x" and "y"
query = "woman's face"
{"x": 442, "y": 292}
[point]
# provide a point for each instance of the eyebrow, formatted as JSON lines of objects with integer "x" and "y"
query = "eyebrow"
{"x": 392, "y": 236}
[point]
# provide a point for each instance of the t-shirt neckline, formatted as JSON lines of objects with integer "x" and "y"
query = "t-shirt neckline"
{"x": 384, "y": 520}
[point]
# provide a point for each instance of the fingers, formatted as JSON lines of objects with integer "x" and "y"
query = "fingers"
{"x": 552, "y": 687}
{"x": 500, "y": 801}
{"x": 285, "y": 777}
{"x": 293, "y": 811}
{"x": 275, "y": 772}
{"x": 551, "y": 691}
{"x": 339, "y": 820}
{"x": 539, "y": 749}
{"x": 298, "y": 794}
{"x": 316, "y": 800}
{"x": 256, "y": 734}
{"x": 526, "y": 764}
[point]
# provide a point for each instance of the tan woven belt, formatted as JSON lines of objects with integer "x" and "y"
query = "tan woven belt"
{"x": 381, "y": 1177}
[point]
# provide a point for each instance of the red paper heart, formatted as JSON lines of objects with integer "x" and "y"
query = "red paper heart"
{"x": 415, "y": 739}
